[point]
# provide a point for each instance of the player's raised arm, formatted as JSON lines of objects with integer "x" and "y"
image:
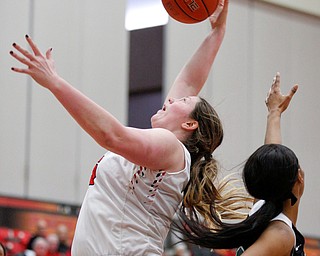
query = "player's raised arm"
{"x": 161, "y": 146}
{"x": 276, "y": 103}
{"x": 194, "y": 74}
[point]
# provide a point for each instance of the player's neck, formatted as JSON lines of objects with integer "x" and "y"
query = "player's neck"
{"x": 291, "y": 211}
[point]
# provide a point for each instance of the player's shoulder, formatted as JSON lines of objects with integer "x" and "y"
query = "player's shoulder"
{"x": 280, "y": 236}
{"x": 276, "y": 240}
{"x": 281, "y": 228}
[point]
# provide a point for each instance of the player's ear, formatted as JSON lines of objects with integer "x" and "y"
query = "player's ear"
{"x": 190, "y": 125}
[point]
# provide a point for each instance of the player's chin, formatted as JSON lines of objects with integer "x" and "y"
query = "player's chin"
{"x": 155, "y": 123}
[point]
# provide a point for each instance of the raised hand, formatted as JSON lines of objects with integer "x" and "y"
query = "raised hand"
{"x": 39, "y": 66}
{"x": 219, "y": 17}
{"x": 275, "y": 99}
{"x": 277, "y": 103}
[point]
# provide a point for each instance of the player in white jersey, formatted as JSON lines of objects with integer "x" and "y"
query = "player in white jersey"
{"x": 138, "y": 185}
{"x": 136, "y": 205}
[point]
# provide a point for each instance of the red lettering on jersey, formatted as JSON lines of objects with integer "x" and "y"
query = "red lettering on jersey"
{"x": 94, "y": 173}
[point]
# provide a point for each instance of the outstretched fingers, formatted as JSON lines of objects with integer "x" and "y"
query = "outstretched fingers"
{"x": 39, "y": 66}
{"x": 287, "y": 99}
{"x": 276, "y": 83}
{"x": 292, "y": 91}
{"x": 29, "y": 58}
{"x": 33, "y": 46}
{"x": 27, "y": 61}
{"x": 275, "y": 99}
{"x": 23, "y": 51}
{"x": 275, "y": 87}
{"x": 49, "y": 53}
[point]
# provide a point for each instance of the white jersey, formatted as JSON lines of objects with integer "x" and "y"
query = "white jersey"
{"x": 280, "y": 217}
{"x": 128, "y": 209}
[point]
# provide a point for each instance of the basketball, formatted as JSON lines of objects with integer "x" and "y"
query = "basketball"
{"x": 190, "y": 11}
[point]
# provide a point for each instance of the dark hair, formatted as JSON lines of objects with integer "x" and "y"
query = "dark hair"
{"x": 269, "y": 174}
{"x": 201, "y": 193}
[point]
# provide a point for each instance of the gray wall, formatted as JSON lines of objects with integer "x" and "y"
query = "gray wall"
{"x": 43, "y": 153}
{"x": 37, "y": 137}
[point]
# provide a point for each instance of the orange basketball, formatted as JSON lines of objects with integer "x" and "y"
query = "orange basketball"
{"x": 190, "y": 11}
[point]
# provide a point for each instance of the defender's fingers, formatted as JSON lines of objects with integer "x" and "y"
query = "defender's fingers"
{"x": 293, "y": 90}
{"x": 276, "y": 81}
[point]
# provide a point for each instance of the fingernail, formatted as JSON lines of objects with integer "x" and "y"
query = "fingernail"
{"x": 27, "y": 36}
{"x": 12, "y": 68}
{"x": 51, "y": 49}
{"x": 14, "y": 44}
{"x": 11, "y": 52}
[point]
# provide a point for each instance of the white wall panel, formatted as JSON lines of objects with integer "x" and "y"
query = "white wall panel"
{"x": 90, "y": 50}
{"x": 305, "y": 121}
{"x": 53, "y": 132}
{"x": 14, "y": 20}
{"x": 307, "y": 6}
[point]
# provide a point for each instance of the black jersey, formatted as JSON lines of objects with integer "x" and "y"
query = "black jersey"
{"x": 298, "y": 250}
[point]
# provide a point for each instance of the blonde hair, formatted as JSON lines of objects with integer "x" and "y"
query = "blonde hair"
{"x": 203, "y": 194}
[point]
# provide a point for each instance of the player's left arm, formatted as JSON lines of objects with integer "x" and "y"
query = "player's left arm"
{"x": 153, "y": 148}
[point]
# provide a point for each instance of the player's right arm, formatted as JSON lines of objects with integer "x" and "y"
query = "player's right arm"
{"x": 194, "y": 74}
{"x": 276, "y": 103}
